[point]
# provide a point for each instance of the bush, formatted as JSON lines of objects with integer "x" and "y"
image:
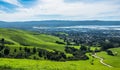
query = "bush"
{"x": 70, "y": 50}
{"x": 34, "y": 50}
{"x": 109, "y": 52}
{"x": 58, "y": 42}
{"x": 6, "y": 51}
{"x": 15, "y": 50}
{"x": 1, "y": 48}
{"x": 20, "y": 48}
{"x": 83, "y": 48}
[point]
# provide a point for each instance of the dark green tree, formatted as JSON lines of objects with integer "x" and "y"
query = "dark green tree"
{"x": 83, "y": 48}
{"x": 25, "y": 49}
{"x": 20, "y": 48}
{"x": 109, "y": 52}
{"x": 15, "y": 50}
{"x": 3, "y": 41}
{"x": 34, "y": 50}
{"x": 6, "y": 51}
{"x": 40, "y": 53}
{"x": 2, "y": 44}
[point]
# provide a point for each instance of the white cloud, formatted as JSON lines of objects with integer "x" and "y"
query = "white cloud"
{"x": 68, "y": 11}
{"x": 14, "y": 2}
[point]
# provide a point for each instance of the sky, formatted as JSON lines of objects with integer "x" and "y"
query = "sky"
{"x": 37, "y": 10}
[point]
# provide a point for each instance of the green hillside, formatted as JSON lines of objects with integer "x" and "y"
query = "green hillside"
{"x": 17, "y": 38}
{"x": 112, "y": 60}
{"x": 26, "y": 64}
{"x": 14, "y": 39}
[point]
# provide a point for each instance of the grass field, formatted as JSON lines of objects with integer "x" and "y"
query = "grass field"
{"x": 111, "y": 60}
{"x": 27, "y": 64}
{"x": 18, "y": 38}
{"x": 91, "y": 48}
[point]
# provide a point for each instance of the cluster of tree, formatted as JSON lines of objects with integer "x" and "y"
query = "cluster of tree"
{"x": 58, "y": 42}
{"x": 109, "y": 52}
{"x": 78, "y": 54}
{"x": 4, "y": 51}
{"x": 25, "y": 52}
{"x": 102, "y": 38}
{"x": 109, "y": 44}
{"x": 53, "y": 55}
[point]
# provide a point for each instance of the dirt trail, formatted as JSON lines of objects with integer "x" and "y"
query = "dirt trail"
{"x": 101, "y": 60}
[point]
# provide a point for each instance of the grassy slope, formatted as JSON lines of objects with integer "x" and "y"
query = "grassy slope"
{"x": 91, "y": 48}
{"x": 23, "y": 38}
{"x": 112, "y": 60}
{"x": 19, "y": 38}
{"x": 25, "y": 64}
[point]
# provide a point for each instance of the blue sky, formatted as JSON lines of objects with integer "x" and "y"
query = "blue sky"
{"x": 37, "y": 10}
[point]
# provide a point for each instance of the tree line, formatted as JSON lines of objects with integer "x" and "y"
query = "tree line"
{"x": 38, "y": 53}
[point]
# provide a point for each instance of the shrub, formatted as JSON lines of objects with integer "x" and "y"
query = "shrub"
{"x": 109, "y": 52}
{"x": 6, "y": 51}
{"x": 34, "y": 50}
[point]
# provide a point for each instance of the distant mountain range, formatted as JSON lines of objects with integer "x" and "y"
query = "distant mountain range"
{"x": 54, "y": 23}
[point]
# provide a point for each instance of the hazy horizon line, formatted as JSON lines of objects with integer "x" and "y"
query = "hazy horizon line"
{"x": 59, "y": 20}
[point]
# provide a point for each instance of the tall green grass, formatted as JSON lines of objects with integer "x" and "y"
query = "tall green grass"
{"x": 29, "y": 39}
{"x": 51, "y": 65}
{"x": 111, "y": 60}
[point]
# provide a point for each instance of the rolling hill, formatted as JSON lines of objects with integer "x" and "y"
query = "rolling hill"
{"x": 17, "y": 38}
{"x": 112, "y": 60}
{"x": 26, "y": 64}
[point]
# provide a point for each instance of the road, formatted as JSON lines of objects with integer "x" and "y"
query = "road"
{"x": 101, "y": 60}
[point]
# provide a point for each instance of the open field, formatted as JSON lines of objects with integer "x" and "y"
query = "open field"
{"x": 111, "y": 60}
{"x": 11, "y": 64}
{"x": 26, "y": 64}
{"x": 19, "y": 38}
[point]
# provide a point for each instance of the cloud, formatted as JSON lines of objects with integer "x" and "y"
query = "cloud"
{"x": 14, "y": 2}
{"x": 61, "y": 10}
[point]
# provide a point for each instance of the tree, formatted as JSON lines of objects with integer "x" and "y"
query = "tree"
{"x": 28, "y": 50}
{"x": 63, "y": 55}
{"x": 1, "y": 48}
{"x": 19, "y": 55}
{"x": 34, "y": 50}
{"x": 6, "y": 51}
{"x": 25, "y": 49}
{"x": 40, "y": 54}
{"x": 107, "y": 45}
{"x": 70, "y": 50}
{"x": 20, "y": 48}
{"x": 92, "y": 62}
{"x": 58, "y": 42}
{"x": 15, "y": 50}
{"x": 3, "y": 42}
{"x": 109, "y": 52}
{"x": 83, "y": 48}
